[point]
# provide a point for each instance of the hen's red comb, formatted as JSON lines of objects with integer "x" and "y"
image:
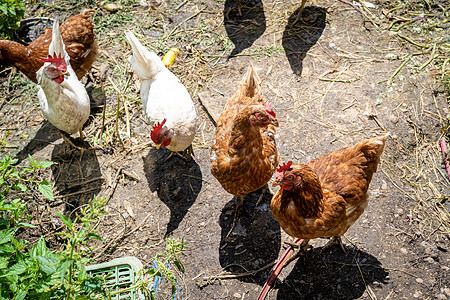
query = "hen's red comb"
{"x": 268, "y": 108}
{"x": 285, "y": 167}
{"x": 56, "y": 59}
{"x": 156, "y": 130}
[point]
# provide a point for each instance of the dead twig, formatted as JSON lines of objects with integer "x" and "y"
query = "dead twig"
{"x": 239, "y": 275}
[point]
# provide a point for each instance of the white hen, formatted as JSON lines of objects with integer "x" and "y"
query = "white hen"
{"x": 166, "y": 101}
{"x": 62, "y": 97}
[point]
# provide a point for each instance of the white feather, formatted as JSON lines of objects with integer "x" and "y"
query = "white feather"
{"x": 163, "y": 95}
{"x": 65, "y": 105}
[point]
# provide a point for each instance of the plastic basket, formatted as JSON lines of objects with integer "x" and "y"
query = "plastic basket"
{"x": 121, "y": 274}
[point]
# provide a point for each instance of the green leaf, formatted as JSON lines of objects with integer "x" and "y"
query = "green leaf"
{"x": 94, "y": 236}
{"x": 179, "y": 265}
{"x": 19, "y": 186}
{"x": 16, "y": 269}
{"x": 6, "y": 235}
{"x": 28, "y": 225}
{"x": 63, "y": 267}
{"x": 65, "y": 220}
{"x": 32, "y": 160}
{"x": 46, "y": 264}
{"x": 45, "y": 187}
{"x": 152, "y": 272}
{"x": 21, "y": 295}
{"x": 45, "y": 164}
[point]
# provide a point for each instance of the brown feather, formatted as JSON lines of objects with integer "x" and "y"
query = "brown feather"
{"x": 78, "y": 36}
{"x": 244, "y": 157}
{"x": 331, "y": 192}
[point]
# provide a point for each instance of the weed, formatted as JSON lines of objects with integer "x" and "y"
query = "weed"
{"x": 11, "y": 12}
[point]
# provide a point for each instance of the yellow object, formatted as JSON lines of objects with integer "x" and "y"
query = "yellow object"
{"x": 170, "y": 57}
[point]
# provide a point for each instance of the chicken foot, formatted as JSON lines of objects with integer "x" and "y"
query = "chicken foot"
{"x": 335, "y": 240}
{"x": 238, "y": 209}
{"x": 69, "y": 140}
{"x": 264, "y": 191}
{"x": 300, "y": 249}
{"x": 189, "y": 151}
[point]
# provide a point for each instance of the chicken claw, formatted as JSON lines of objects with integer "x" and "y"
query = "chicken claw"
{"x": 239, "y": 209}
{"x": 300, "y": 249}
{"x": 334, "y": 240}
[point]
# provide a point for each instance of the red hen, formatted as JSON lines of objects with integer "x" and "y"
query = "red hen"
{"x": 78, "y": 36}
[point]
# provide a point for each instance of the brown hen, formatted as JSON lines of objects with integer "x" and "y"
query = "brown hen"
{"x": 327, "y": 195}
{"x": 78, "y": 36}
{"x": 244, "y": 155}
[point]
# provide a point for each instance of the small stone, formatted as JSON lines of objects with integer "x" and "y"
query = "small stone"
{"x": 237, "y": 295}
{"x": 429, "y": 260}
{"x": 417, "y": 294}
{"x": 396, "y": 215}
{"x": 446, "y": 291}
{"x": 441, "y": 297}
{"x": 399, "y": 211}
{"x": 419, "y": 280}
{"x": 391, "y": 56}
{"x": 403, "y": 250}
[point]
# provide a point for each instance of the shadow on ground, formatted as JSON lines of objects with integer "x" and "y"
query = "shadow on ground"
{"x": 299, "y": 37}
{"x": 45, "y": 135}
{"x": 176, "y": 182}
{"x": 76, "y": 175}
{"x": 254, "y": 242}
{"x": 332, "y": 275}
{"x": 244, "y": 27}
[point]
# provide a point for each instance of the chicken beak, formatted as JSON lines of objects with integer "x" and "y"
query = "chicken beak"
{"x": 65, "y": 73}
{"x": 276, "y": 182}
{"x": 158, "y": 146}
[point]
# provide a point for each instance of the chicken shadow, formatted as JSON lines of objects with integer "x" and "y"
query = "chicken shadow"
{"x": 253, "y": 243}
{"x": 345, "y": 276}
{"x": 77, "y": 177}
{"x": 176, "y": 181}
{"x": 245, "y": 27}
{"x": 299, "y": 37}
{"x": 45, "y": 136}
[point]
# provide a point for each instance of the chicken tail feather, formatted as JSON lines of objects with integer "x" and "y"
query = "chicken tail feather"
{"x": 145, "y": 64}
{"x": 250, "y": 84}
{"x": 378, "y": 143}
{"x": 57, "y": 45}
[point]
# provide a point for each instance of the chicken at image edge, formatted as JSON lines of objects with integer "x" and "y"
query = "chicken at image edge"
{"x": 62, "y": 97}
{"x": 167, "y": 103}
{"x": 244, "y": 154}
{"x": 78, "y": 36}
{"x": 324, "y": 197}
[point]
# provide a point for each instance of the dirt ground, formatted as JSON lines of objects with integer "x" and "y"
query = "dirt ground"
{"x": 330, "y": 81}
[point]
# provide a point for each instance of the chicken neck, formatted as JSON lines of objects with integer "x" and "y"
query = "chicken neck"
{"x": 244, "y": 137}
{"x": 308, "y": 197}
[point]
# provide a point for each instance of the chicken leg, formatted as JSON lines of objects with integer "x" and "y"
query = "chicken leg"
{"x": 299, "y": 15}
{"x": 264, "y": 191}
{"x": 238, "y": 209}
{"x": 335, "y": 240}
{"x": 300, "y": 249}
{"x": 189, "y": 151}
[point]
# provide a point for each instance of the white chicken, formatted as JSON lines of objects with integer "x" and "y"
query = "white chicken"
{"x": 62, "y": 97}
{"x": 166, "y": 101}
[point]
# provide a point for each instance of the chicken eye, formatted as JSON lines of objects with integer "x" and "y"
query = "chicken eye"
{"x": 52, "y": 69}
{"x": 166, "y": 133}
{"x": 290, "y": 177}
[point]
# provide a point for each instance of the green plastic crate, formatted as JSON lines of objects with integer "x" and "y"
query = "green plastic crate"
{"x": 121, "y": 273}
